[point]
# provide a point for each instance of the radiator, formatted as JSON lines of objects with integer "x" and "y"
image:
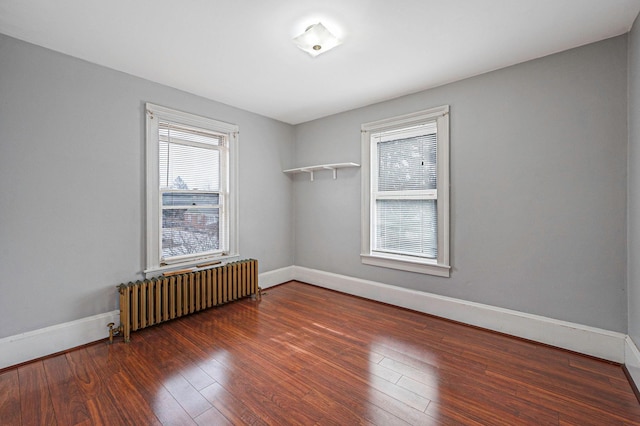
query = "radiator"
{"x": 150, "y": 302}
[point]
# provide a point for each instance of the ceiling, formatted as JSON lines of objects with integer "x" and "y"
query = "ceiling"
{"x": 240, "y": 52}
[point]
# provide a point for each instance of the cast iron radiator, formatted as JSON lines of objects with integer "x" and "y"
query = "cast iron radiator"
{"x": 149, "y": 302}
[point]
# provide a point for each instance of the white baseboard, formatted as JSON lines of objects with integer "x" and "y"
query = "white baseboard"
{"x": 56, "y": 338}
{"x": 275, "y": 277}
{"x": 587, "y": 340}
{"x": 612, "y": 346}
{"x": 632, "y": 360}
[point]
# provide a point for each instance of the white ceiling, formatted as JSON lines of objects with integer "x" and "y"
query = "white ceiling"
{"x": 240, "y": 52}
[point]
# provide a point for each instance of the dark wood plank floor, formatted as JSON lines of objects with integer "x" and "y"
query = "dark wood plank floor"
{"x": 305, "y": 355}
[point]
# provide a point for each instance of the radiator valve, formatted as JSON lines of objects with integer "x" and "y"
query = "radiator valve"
{"x": 113, "y": 331}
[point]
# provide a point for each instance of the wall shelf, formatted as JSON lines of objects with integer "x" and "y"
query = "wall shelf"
{"x": 311, "y": 169}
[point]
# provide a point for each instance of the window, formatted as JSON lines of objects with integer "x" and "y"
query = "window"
{"x": 405, "y": 186}
{"x": 191, "y": 189}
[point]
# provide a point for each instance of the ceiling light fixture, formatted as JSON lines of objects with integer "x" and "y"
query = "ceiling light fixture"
{"x": 316, "y": 40}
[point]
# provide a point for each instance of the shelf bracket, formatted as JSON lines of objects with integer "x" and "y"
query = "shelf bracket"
{"x": 335, "y": 171}
{"x": 310, "y": 174}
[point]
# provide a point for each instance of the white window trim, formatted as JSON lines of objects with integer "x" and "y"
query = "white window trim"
{"x": 153, "y": 226}
{"x": 440, "y": 266}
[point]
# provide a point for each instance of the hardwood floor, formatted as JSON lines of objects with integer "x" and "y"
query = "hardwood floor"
{"x": 305, "y": 355}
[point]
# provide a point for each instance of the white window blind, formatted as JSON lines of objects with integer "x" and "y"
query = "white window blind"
{"x": 407, "y": 164}
{"x": 189, "y": 159}
{"x": 406, "y": 220}
{"x": 407, "y": 227}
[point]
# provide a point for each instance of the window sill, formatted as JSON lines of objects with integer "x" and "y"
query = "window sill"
{"x": 404, "y": 264}
{"x": 192, "y": 264}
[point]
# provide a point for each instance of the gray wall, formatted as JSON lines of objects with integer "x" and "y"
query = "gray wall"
{"x": 72, "y": 184}
{"x": 538, "y": 199}
{"x": 634, "y": 184}
{"x": 538, "y": 173}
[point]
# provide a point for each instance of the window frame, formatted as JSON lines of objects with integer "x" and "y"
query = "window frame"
{"x": 439, "y": 266}
{"x": 229, "y": 236}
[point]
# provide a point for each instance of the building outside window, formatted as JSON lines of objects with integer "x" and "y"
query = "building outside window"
{"x": 191, "y": 189}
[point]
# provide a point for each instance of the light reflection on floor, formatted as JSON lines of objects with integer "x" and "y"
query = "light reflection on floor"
{"x": 407, "y": 372}
{"x": 192, "y": 382}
